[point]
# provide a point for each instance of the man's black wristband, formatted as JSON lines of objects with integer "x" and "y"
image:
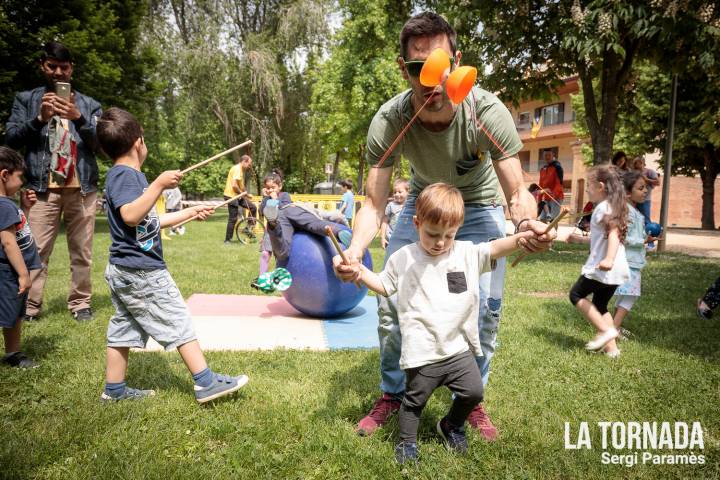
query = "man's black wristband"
{"x": 517, "y": 227}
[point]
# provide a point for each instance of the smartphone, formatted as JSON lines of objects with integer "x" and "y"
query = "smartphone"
{"x": 62, "y": 90}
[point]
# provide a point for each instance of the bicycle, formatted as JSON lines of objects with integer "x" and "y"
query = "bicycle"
{"x": 245, "y": 228}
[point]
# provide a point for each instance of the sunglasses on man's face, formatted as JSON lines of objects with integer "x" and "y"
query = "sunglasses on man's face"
{"x": 414, "y": 67}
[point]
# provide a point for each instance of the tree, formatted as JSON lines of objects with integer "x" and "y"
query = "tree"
{"x": 233, "y": 70}
{"x": 104, "y": 37}
{"x": 532, "y": 46}
{"x": 358, "y": 77}
{"x": 643, "y": 118}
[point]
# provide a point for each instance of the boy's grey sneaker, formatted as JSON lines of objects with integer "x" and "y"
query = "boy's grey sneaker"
{"x": 19, "y": 360}
{"x": 406, "y": 452}
{"x": 345, "y": 237}
{"x": 83, "y": 315}
{"x": 222, "y": 385}
{"x": 454, "y": 437}
{"x": 270, "y": 212}
{"x": 30, "y": 318}
{"x": 128, "y": 394}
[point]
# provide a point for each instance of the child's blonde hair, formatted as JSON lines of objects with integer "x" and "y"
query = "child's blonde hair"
{"x": 401, "y": 181}
{"x": 609, "y": 176}
{"x": 441, "y": 204}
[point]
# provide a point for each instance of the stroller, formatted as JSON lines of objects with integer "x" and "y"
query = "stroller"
{"x": 583, "y": 223}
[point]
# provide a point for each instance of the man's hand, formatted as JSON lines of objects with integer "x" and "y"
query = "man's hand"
{"x": 66, "y": 108}
{"x": 384, "y": 243}
{"x": 201, "y": 212}
{"x": 605, "y": 265}
{"x": 27, "y": 199}
{"x": 169, "y": 179}
{"x": 47, "y": 107}
{"x": 24, "y": 283}
{"x": 541, "y": 241}
{"x": 351, "y": 272}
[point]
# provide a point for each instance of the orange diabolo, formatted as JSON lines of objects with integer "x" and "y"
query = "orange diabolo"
{"x": 436, "y": 64}
{"x": 459, "y": 83}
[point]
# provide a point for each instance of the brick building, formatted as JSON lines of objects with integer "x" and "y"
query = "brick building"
{"x": 556, "y": 134}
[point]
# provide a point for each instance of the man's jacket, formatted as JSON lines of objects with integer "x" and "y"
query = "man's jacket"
{"x": 26, "y": 133}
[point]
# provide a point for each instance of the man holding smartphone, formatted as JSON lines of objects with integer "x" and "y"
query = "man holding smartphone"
{"x": 55, "y": 127}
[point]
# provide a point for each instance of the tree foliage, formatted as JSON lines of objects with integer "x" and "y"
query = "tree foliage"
{"x": 111, "y": 64}
{"x": 233, "y": 75}
{"x": 532, "y": 46}
{"x": 360, "y": 75}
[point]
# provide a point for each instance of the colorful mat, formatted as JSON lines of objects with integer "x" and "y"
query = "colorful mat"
{"x": 253, "y": 322}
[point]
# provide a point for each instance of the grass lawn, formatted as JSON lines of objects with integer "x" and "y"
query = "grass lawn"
{"x": 295, "y": 419}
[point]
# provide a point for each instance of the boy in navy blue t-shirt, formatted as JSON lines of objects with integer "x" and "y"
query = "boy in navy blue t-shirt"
{"x": 147, "y": 301}
{"x": 18, "y": 256}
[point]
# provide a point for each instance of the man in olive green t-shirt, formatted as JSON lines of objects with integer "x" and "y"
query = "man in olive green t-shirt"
{"x": 472, "y": 146}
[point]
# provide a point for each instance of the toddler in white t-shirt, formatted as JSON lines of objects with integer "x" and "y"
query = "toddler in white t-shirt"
{"x": 436, "y": 282}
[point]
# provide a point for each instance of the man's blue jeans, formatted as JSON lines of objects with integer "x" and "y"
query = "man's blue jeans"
{"x": 482, "y": 223}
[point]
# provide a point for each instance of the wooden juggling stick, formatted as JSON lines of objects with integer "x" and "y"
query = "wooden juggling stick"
{"x": 215, "y": 207}
{"x": 331, "y": 235}
{"x": 563, "y": 211}
{"x": 215, "y": 157}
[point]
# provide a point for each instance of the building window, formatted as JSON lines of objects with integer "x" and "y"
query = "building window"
{"x": 551, "y": 114}
{"x": 523, "y": 121}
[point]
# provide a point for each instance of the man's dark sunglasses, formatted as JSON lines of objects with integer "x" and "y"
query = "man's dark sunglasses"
{"x": 414, "y": 67}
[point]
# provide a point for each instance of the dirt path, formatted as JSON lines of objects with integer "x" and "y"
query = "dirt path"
{"x": 698, "y": 243}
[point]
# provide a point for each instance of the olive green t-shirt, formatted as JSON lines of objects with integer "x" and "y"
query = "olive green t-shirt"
{"x": 461, "y": 155}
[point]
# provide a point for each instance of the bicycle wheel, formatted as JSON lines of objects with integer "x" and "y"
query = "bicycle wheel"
{"x": 244, "y": 231}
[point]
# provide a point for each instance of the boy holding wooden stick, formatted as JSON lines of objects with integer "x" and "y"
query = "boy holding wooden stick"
{"x": 147, "y": 301}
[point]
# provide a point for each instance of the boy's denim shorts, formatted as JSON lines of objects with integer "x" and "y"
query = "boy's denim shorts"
{"x": 12, "y": 307}
{"x": 147, "y": 304}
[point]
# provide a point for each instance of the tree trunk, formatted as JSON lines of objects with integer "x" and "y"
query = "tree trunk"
{"x": 361, "y": 169}
{"x": 708, "y": 175}
{"x": 613, "y": 78}
{"x": 336, "y": 165}
{"x": 228, "y": 130}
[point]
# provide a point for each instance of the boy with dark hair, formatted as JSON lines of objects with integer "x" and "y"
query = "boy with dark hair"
{"x": 18, "y": 256}
{"x": 348, "y": 200}
{"x": 147, "y": 301}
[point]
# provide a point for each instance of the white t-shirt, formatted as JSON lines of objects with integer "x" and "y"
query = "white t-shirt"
{"x": 392, "y": 211}
{"x": 620, "y": 273}
{"x": 438, "y": 300}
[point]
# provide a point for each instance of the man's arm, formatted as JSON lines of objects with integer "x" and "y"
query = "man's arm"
{"x": 20, "y": 127}
{"x": 520, "y": 201}
{"x": 367, "y": 220}
{"x": 559, "y": 171}
{"x": 369, "y": 217}
{"x": 521, "y": 204}
{"x": 236, "y": 186}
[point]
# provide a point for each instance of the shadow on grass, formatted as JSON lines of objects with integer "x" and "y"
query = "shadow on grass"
{"x": 58, "y": 304}
{"x": 663, "y": 317}
{"x": 40, "y": 346}
{"x": 359, "y": 380}
{"x": 152, "y": 370}
{"x": 554, "y": 337}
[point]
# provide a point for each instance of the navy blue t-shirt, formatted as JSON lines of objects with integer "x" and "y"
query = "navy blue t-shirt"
{"x": 132, "y": 247}
{"x": 11, "y": 215}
